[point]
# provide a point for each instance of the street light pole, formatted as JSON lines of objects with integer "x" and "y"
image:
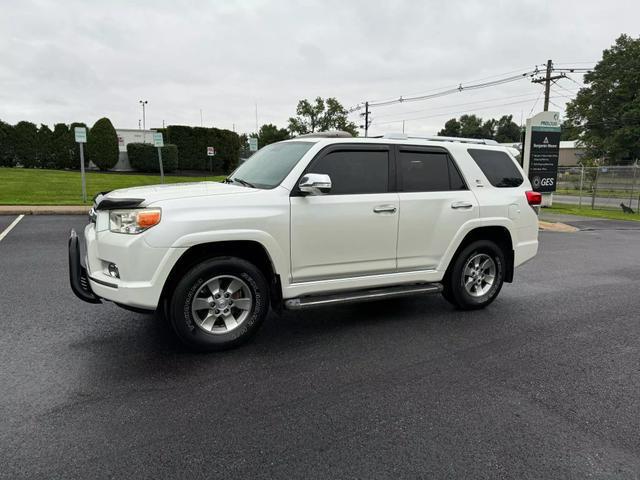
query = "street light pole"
{"x": 144, "y": 120}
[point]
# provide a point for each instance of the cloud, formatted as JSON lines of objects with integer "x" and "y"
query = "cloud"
{"x": 78, "y": 61}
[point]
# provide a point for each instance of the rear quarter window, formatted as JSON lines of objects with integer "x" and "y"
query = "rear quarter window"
{"x": 498, "y": 167}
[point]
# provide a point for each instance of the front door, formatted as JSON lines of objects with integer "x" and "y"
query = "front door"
{"x": 352, "y": 230}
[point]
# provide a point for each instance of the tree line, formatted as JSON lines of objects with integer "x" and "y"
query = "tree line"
{"x": 32, "y": 146}
{"x": 502, "y": 130}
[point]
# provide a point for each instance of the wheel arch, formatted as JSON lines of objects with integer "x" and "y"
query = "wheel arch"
{"x": 497, "y": 234}
{"x": 249, "y": 250}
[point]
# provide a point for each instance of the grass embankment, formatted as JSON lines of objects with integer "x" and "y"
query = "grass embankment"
{"x": 21, "y": 186}
{"x": 566, "y": 209}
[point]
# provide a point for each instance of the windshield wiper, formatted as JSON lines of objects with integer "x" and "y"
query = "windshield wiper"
{"x": 241, "y": 182}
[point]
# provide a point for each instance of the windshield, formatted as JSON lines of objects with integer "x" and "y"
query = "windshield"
{"x": 269, "y": 166}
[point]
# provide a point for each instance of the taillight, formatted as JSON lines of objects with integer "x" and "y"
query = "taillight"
{"x": 534, "y": 198}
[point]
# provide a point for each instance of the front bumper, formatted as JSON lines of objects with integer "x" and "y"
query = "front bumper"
{"x": 78, "y": 273}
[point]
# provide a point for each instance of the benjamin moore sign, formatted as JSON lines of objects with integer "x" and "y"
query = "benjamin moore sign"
{"x": 542, "y": 150}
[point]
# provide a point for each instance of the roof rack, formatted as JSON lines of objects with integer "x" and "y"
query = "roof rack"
{"x": 477, "y": 141}
{"x": 327, "y": 134}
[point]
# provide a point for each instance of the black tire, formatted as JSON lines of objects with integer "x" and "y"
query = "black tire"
{"x": 454, "y": 282}
{"x": 182, "y": 318}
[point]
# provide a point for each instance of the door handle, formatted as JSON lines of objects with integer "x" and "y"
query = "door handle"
{"x": 384, "y": 209}
{"x": 461, "y": 205}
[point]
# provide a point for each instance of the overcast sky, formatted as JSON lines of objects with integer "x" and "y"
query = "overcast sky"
{"x": 65, "y": 61}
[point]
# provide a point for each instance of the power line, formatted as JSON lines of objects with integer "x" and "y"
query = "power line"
{"x": 454, "y": 113}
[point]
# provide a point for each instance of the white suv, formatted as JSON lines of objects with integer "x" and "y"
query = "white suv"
{"x": 317, "y": 220}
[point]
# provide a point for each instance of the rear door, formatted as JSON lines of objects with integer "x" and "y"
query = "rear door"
{"x": 352, "y": 230}
{"x": 434, "y": 204}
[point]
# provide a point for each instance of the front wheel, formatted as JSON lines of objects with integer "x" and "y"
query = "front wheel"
{"x": 476, "y": 276}
{"x": 219, "y": 304}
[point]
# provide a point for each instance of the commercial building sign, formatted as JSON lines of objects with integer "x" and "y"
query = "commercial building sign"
{"x": 541, "y": 151}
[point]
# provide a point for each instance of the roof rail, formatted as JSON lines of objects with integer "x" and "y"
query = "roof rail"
{"x": 437, "y": 138}
{"x": 327, "y": 134}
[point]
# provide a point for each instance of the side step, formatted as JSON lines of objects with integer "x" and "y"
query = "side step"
{"x": 354, "y": 296}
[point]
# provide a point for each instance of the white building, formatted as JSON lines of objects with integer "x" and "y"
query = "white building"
{"x": 125, "y": 137}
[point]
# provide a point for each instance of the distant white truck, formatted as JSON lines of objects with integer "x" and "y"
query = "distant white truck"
{"x": 314, "y": 221}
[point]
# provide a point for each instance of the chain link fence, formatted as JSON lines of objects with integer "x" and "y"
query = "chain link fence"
{"x": 612, "y": 187}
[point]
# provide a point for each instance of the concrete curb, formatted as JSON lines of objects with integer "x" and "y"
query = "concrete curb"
{"x": 44, "y": 209}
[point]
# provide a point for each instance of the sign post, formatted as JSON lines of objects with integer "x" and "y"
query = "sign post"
{"x": 81, "y": 139}
{"x": 158, "y": 142}
{"x": 541, "y": 152}
{"x": 211, "y": 151}
{"x": 253, "y": 144}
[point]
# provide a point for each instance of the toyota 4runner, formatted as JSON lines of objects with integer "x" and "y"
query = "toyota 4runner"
{"x": 313, "y": 221}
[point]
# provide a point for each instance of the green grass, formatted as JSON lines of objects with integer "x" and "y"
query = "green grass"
{"x": 21, "y": 186}
{"x": 601, "y": 193}
{"x": 566, "y": 209}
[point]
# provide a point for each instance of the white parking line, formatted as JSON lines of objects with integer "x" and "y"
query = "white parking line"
{"x": 10, "y": 227}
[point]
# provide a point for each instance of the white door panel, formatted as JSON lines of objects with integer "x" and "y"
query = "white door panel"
{"x": 428, "y": 222}
{"x": 335, "y": 236}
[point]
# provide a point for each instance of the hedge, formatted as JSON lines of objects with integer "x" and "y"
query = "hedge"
{"x": 192, "y": 143}
{"x": 25, "y": 144}
{"x": 7, "y": 155}
{"x": 102, "y": 144}
{"x": 144, "y": 157}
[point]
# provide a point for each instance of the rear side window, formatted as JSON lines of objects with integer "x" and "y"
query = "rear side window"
{"x": 355, "y": 171}
{"x": 428, "y": 172}
{"x": 498, "y": 167}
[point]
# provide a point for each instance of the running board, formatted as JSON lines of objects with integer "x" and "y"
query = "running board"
{"x": 354, "y": 296}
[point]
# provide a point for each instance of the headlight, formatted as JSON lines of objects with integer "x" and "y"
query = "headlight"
{"x": 133, "y": 221}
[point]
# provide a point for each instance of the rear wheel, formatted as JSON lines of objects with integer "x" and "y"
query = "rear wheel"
{"x": 219, "y": 304}
{"x": 476, "y": 276}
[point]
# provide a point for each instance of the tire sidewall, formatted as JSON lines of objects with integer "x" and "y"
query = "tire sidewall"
{"x": 457, "y": 289}
{"x": 182, "y": 318}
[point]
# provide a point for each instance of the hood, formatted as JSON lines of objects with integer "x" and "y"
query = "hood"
{"x": 170, "y": 191}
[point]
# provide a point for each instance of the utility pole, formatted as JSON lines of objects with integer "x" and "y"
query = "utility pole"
{"x": 547, "y": 83}
{"x": 366, "y": 119}
{"x": 144, "y": 120}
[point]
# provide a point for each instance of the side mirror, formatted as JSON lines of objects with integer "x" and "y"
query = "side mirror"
{"x": 315, "y": 184}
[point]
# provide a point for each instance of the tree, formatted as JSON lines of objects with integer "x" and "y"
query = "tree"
{"x": 471, "y": 126}
{"x": 606, "y": 111}
{"x": 451, "y": 128}
{"x": 507, "y": 130}
{"x": 269, "y": 133}
{"x": 102, "y": 144}
{"x": 488, "y": 129}
{"x": 7, "y": 155}
{"x": 44, "y": 147}
{"x": 25, "y": 138}
{"x": 569, "y": 131}
{"x": 62, "y": 146}
{"x": 321, "y": 116}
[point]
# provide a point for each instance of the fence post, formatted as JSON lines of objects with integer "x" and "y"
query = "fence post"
{"x": 633, "y": 185}
{"x": 595, "y": 189}
{"x": 581, "y": 184}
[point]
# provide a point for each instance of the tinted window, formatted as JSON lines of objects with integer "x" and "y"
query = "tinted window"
{"x": 428, "y": 172}
{"x": 270, "y": 165}
{"x": 355, "y": 171}
{"x": 498, "y": 167}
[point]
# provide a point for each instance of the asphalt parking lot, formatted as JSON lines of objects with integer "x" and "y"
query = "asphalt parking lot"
{"x": 545, "y": 383}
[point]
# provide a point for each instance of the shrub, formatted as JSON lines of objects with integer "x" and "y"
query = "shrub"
{"x": 192, "y": 143}
{"x": 62, "y": 146}
{"x": 144, "y": 157}
{"x": 25, "y": 138}
{"x": 102, "y": 144}
{"x": 7, "y": 155}
{"x": 44, "y": 147}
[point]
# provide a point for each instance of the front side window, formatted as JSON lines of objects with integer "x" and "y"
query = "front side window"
{"x": 498, "y": 167}
{"x": 428, "y": 172}
{"x": 270, "y": 165}
{"x": 355, "y": 171}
